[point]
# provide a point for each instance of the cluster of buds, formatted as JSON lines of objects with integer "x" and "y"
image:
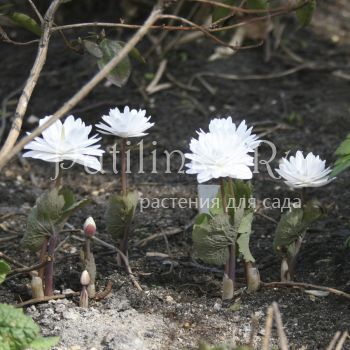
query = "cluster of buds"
{"x": 88, "y": 257}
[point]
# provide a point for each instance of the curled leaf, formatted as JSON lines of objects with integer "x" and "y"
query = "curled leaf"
{"x": 212, "y": 236}
{"x": 26, "y": 22}
{"x": 93, "y": 49}
{"x": 4, "y": 270}
{"x": 120, "y": 212}
{"x": 121, "y": 73}
{"x": 305, "y": 13}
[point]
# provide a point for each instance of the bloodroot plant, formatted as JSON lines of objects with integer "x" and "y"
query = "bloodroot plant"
{"x": 221, "y": 235}
{"x": 121, "y": 207}
{"x": 68, "y": 141}
{"x": 299, "y": 173}
{"x": 87, "y": 255}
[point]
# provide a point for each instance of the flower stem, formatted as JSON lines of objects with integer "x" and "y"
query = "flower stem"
{"x": 303, "y": 196}
{"x": 230, "y": 267}
{"x": 49, "y": 269}
{"x": 223, "y": 195}
{"x": 123, "y": 157}
{"x": 43, "y": 254}
{"x": 58, "y": 181}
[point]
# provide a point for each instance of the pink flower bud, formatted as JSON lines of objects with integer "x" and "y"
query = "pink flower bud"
{"x": 85, "y": 278}
{"x": 89, "y": 227}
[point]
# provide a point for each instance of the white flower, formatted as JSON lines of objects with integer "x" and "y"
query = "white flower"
{"x": 227, "y": 126}
{"x": 300, "y": 172}
{"x": 66, "y": 141}
{"x": 219, "y": 154}
{"x": 130, "y": 123}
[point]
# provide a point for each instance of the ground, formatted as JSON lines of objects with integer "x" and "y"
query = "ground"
{"x": 306, "y": 110}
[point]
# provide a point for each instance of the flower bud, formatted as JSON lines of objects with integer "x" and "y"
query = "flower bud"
{"x": 89, "y": 227}
{"x": 85, "y": 278}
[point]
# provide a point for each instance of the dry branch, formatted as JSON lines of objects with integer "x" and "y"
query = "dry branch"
{"x": 301, "y": 285}
{"x": 8, "y": 152}
{"x": 47, "y": 298}
{"x": 31, "y": 82}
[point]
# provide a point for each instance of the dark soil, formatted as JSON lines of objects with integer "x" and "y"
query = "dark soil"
{"x": 311, "y": 108}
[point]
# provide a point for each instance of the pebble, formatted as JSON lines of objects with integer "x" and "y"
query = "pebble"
{"x": 70, "y": 315}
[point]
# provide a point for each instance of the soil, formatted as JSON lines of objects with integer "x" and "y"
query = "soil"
{"x": 180, "y": 305}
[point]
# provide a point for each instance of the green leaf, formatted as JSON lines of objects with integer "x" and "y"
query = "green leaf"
{"x": 347, "y": 243}
{"x": 93, "y": 49}
{"x": 48, "y": 215}
{"x": 50, "y": 205}
{"x": 17, "y": 330}
{"x": 70, "y": 205}
{"x": 120, "y": 74}
{"x": 42, "y": 343}
{"x": 340, "y": 165}
{"x": 293, "y": 225}
{"x": 4, "y": 9}
{"x": 37, "y": 231}
{"x": 221, "y": 12}
{"x": 304, "y": 14}
{"x": 257, "y": 4}
{"x": 244, "y": 232}
{"x": 344, "y": 147}
{"x": 72, "y": 209}
{"x": 289, "y": 229}
{"x": 212, "y": 236}
{"x": 120, "y": 213}
{"x": 134, "y": 53}
{"x": 26, "y": 22}
{"x": 4, "y": 270}
{"x": 343, "y": 152}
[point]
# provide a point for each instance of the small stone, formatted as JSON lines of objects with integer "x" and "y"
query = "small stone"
{"x": 217, "y": 306}
{"x": 70, "y": 315}
{"x": 169, "y": 299}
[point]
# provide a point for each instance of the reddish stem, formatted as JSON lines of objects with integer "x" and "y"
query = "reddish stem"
{"x": 49, "y": 268}
{"x": 230, "y": 268}
{"x": 43, "y": 253}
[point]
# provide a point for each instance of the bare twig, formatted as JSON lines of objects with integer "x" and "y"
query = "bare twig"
{"x": 208, "y": 33}
{"x": 342, "y": 341}
{"x": 31, "y": 82}
{"x": 256, "y": 76}
{"x": 41, "y": 19}
{"x": 5, "y": 38}
{"x": 334, "y": 341}
{"x": 47, "y": 298}
{"x": 304, "y": 286}
{"x": 108, "y": 289}
{"x": 27, "y": 269}
{"x": 7, "y": 153}
{"x": 268, "y": 328}
{"x": 128, "y": 269}
{"x": 283, "y": 342}
{"x": 10, "y": 260}
{"x": 153, "y": 84}
{"x": 9, "y": 238}
{"x": 150, "y": 238}
{"x": 271, "y": 13}
{"x": 4, "y": 104}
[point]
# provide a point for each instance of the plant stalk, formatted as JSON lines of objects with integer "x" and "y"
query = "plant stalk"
{"x": 230, "y": 267}
{"x": 49, "y": 268}
{"x": 123, "y": 174}
{"x": 43, "y": 253}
